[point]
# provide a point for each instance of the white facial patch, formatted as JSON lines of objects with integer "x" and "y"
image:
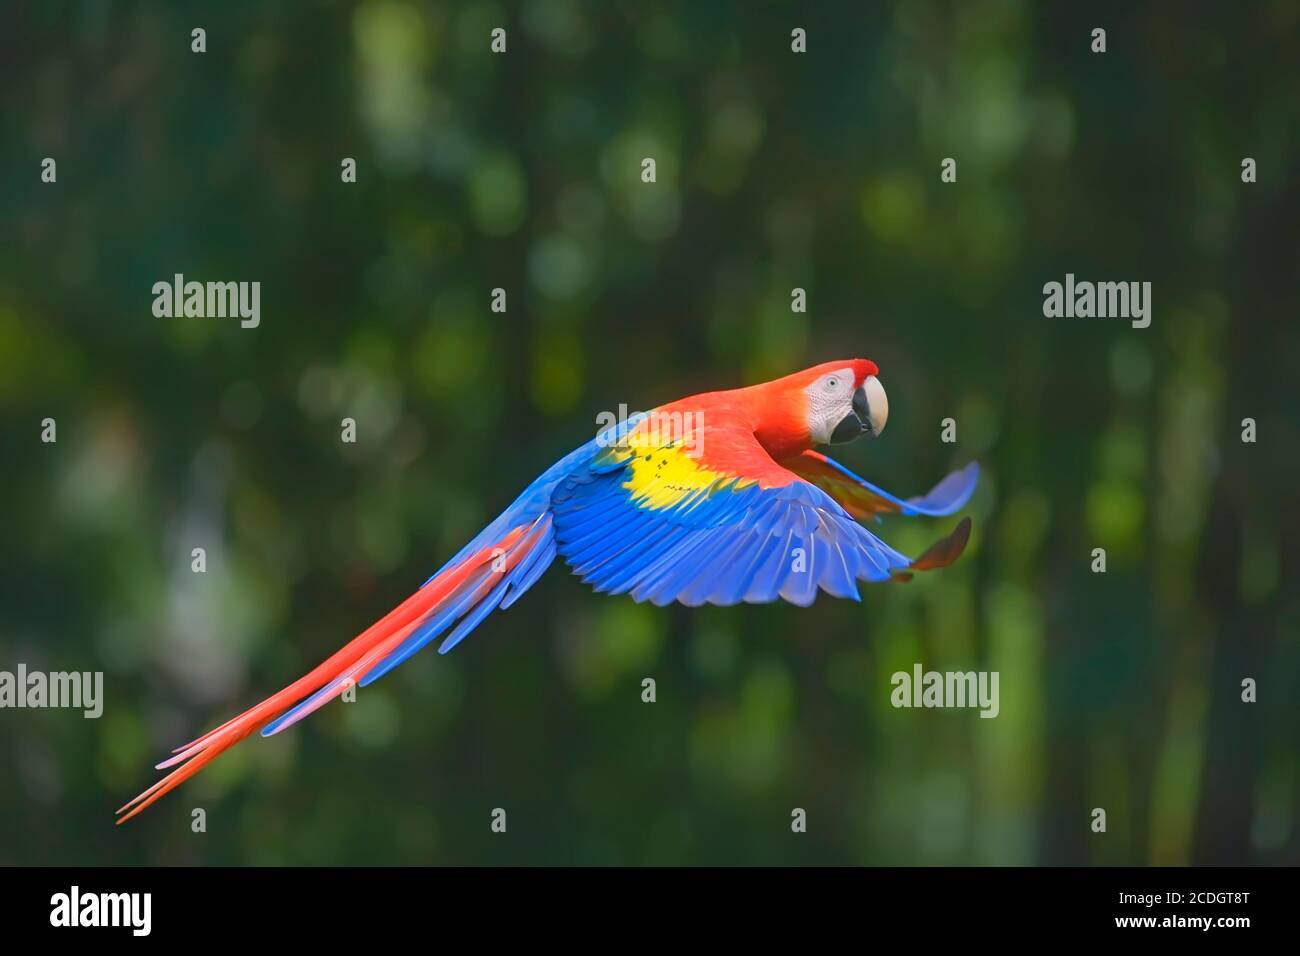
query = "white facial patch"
{"x": 830, "y": 398}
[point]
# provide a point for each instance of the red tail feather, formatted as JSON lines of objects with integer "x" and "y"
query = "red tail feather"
{"x": 354, "y": 659}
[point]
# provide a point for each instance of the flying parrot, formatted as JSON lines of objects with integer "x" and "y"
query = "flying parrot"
{"x": 713, "y": 499}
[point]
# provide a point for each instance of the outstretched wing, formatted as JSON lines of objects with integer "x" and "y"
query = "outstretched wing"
{"x": 864, "y": 500}
{"x": 658, "y": 521}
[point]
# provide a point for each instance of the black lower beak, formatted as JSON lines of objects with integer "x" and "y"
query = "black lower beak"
{"x": 856, "y": 422}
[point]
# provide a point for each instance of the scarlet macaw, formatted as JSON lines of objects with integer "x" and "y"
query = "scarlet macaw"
{"x": 717, "y": 498}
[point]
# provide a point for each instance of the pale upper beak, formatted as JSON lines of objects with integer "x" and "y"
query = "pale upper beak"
{"x": 875, "y": 405}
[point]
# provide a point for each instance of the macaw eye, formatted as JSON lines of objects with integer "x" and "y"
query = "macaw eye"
{"x": 832, "y": 383}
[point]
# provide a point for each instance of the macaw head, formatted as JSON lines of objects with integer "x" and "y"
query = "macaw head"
{"x": 845, "y": 401}
{"x": 827, "y": 404}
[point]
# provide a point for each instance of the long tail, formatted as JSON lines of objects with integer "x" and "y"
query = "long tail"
{"x": 467, "y": 590}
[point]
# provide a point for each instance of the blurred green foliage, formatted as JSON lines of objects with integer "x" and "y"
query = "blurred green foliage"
{"x": 775, "y": 170}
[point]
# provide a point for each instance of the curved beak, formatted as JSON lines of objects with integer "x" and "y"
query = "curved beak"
{"x": 870, "y": 412}
{"x": 875, "y": 411}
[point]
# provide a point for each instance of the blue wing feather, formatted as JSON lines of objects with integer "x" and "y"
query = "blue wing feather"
{"x": 720, "y": 543}
{"x": 945, "y": 498}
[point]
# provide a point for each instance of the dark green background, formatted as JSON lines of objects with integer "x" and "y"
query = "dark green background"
{"x": 775, "y": 170}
